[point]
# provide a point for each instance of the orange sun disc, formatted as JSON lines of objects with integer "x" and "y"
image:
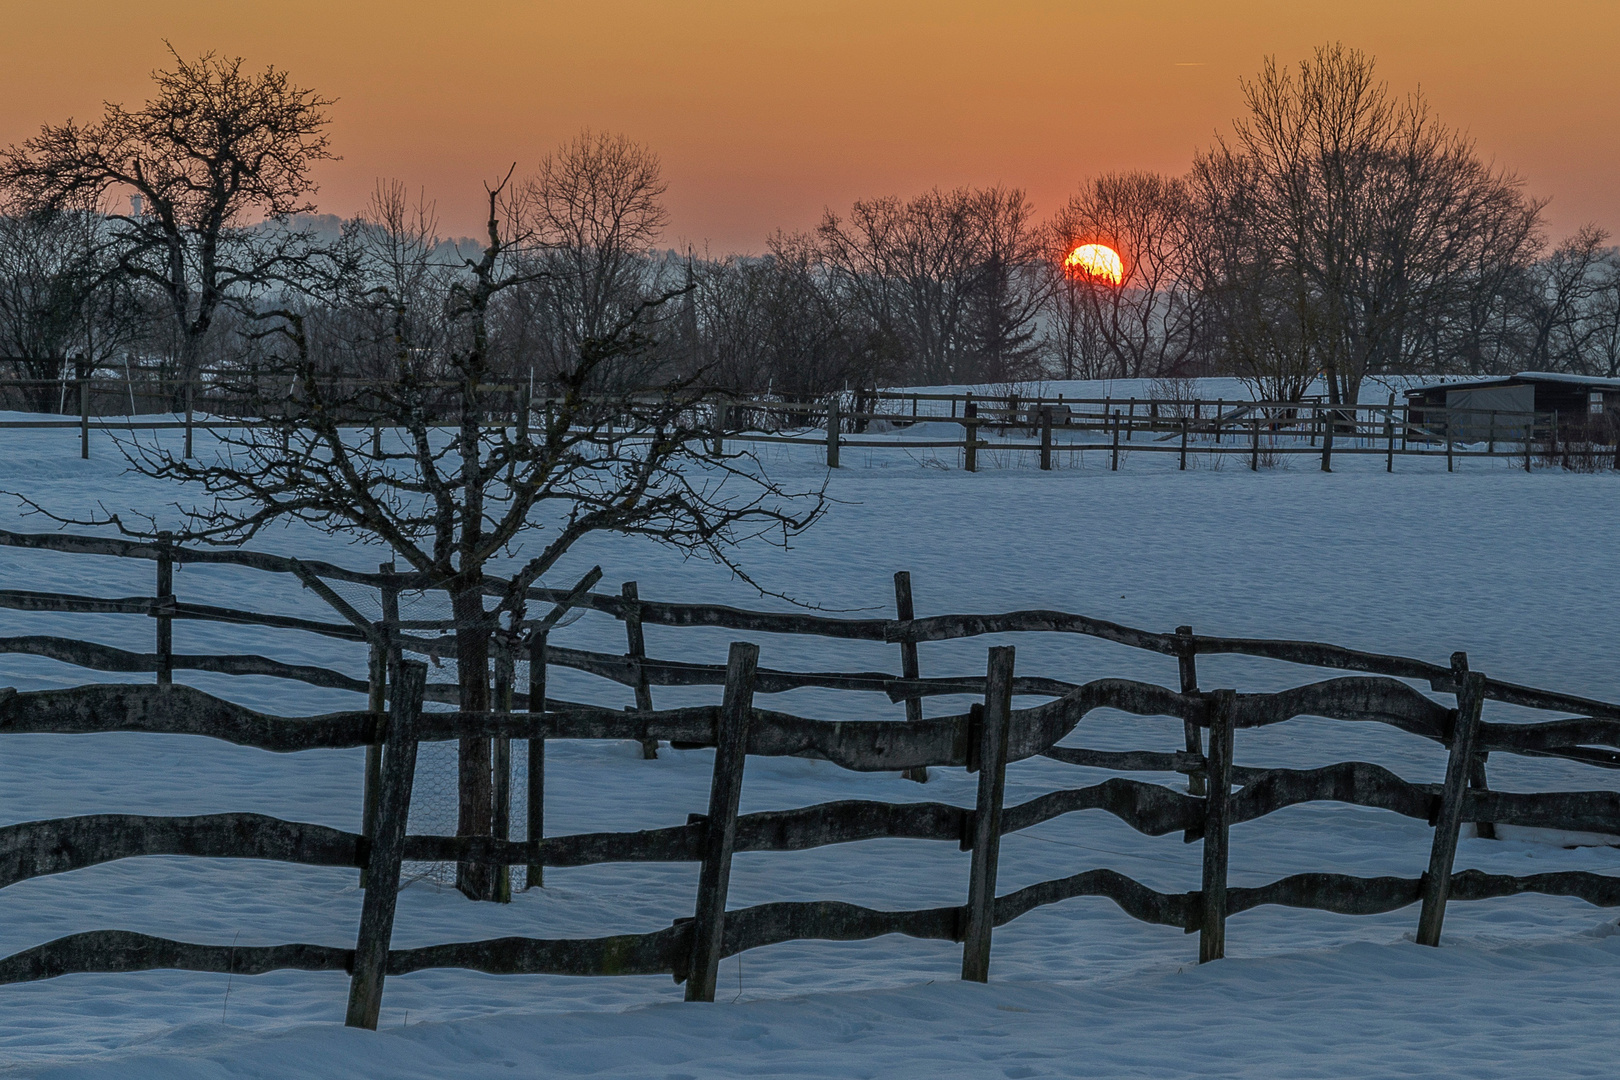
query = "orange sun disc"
{"x": 1096, "y": 261}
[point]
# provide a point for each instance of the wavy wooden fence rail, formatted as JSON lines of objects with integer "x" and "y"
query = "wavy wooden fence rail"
{"x": 985, "y": 739}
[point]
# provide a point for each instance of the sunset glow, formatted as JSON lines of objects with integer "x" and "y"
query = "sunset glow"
{"x": 908, "y": 96}
{"x": 1098, "y": 261}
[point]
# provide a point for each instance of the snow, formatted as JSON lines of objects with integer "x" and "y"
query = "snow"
{"x": 1521, "y": 987}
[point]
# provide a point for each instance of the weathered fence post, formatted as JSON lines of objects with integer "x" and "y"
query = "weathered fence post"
{"x": 1477, "y": 781}
{"x": 1184, "y": 426}
{"x": 165, "y": 599}
{"x": 376, "y": 704}
{"x": 1187, "y": 661}
{"x": 387, "y": 848}
{"x": 720, "y": 427}
{"x": 537, "y": 757}
{"x": 991, "y": 753}
{"x": 720, "y": 828}
{"x": 832, "y": 433}
{"x": 1448, "y": 818}
{"x": 383, "y": 674}
{"x": 501, "y": 764}
{"x": 1254, "y": 445}
{"x": 1217, "y": 825}
{"x": 1113, "y": 465}
{"x": 1220, "y": 414}
{"x": 1327, "y": 439}
{"x": 637, "y": 643}
{"x": 1389, "y": 435}
{"x": 909, "y": 666}
{"x": 84, "y": 418}
{"x": 1046, "y": 438}
{"x": 1449, "y": 464}
{"x": 525, "y": 404}
{"x": 970, "y": 453}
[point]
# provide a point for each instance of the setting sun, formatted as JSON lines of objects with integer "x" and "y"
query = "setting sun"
{"x": 1096, "y": 261}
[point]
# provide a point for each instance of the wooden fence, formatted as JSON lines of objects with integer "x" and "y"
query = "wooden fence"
{"x": 985, "y": 739}
{"x": 1256, "y": 432}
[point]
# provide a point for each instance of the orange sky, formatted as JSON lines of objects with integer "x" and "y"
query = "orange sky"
{"x": 765, "y": 111}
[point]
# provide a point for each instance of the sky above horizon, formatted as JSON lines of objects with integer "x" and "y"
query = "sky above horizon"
{"x": 764, "y": 114}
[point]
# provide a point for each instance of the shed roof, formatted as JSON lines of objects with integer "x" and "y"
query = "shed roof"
{"x": 1521, "y": 378}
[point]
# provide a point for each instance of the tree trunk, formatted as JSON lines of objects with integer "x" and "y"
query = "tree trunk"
{"x": 476, "y": 806}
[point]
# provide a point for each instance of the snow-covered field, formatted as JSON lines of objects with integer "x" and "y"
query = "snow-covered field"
{"x": 1519, "y": 570}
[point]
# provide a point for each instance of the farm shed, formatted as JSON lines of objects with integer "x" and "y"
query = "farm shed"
{"x": 1498, "y": 407}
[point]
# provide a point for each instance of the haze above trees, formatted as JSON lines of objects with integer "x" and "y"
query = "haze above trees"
{"x": 1339, "y": 229}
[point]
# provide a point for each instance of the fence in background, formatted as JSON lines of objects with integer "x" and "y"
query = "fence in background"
{"x": 1262, "y": 432}
{"x": 985, "y": 739}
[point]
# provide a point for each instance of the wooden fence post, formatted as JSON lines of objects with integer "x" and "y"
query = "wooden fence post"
{"x": 996, "y": 718}
{"x": 1389, "y": 435}
{"x": 1332, "y": 418}
{"x": 1046, "y": 438}
{"x": 1113, "y": 465}
{"x": 387, "y": 849}
{"x": 1187, "y": 661}
{"x": 909, "y": 666}
{"x": 1254, "y": 445}
{"x": 1449, "y": 463}
{"x": 720, "y": 427}
{"x": 970, "y": 453}
{"x": 720, "y": 828}
{"x": 84, "y": 418}
{"x": 832, "y": 433}
{"x": 384, "y": 672}
{"x": 1477, "y": 781}
{"x": 376, "y": 704}
{"x": 1217, "y": 825}
{"x": 537, "y": 757}
{"x": 1448, "y": 819}
{"x": 1184, "y": 426}
{"x": 501, "y": 765}
{"x": 637, "y": 644}
{"x": 165, "y": 599}
{"x": 525, "y": 404}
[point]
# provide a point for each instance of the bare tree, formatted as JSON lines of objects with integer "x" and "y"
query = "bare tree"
{"x": 776, "y": 324}
{"x": 1262, "y": 316}
{"x": 1147, "y": 320}
{"x": 1559, "y": 303}
{"x": 595, "y": 209}
{"x": 944, "y": 280}
{"x": 216, "y": 151}
{"x": 1603, "y": 356}
{"x": 614, "y": 446}
{"x": 60, "y": 296}
{"x": 1374, "y": 209}
{"x": 1004, "y": 307}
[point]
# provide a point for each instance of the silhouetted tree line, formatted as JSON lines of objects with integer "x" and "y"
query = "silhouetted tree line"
{"x": 1339, "y": 230}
